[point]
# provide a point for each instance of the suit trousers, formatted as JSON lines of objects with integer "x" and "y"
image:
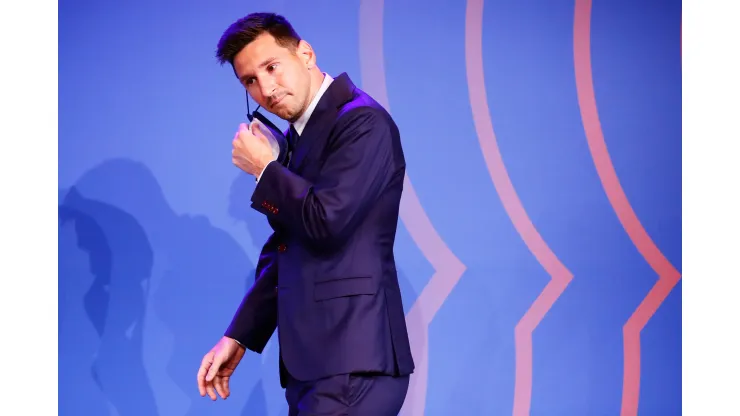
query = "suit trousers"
{"x": 359, "y": 394}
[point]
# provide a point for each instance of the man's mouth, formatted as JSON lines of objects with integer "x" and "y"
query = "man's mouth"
{"x": 277, "y": 100}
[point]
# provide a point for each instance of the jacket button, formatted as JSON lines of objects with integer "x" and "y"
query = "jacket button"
{"x": 282, "y": 248}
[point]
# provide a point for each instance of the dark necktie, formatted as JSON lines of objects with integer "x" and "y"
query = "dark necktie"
{"x": 292, "y": 138}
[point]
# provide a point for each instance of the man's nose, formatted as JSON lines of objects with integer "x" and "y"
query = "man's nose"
{"x": 267, "y": 89}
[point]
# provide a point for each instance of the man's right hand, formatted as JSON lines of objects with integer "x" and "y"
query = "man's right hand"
{"x": 218, "y": 366}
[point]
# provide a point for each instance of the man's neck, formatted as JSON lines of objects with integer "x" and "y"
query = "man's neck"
{"x": 317, "y": 77}
{"x": 300, "y": 123}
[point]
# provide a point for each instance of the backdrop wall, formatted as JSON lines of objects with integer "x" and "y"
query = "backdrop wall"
{"x": 540, "y": 239}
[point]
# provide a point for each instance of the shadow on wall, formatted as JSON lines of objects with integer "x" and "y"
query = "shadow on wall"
{"x": 157, "y": 293}
{"x": 109, "y": 298}
{"x": 145, "y": 292}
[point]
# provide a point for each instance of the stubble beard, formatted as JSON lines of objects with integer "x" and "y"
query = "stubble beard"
{"x": 292, "y": 115}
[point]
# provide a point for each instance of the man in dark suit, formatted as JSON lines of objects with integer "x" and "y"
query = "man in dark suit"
{"x": 326, "y": 277}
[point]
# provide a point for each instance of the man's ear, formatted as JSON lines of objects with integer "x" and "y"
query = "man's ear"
{"x": 306, "y": 54}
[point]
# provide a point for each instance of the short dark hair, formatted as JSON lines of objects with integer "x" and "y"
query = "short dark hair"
{"x": 248, "y": 28}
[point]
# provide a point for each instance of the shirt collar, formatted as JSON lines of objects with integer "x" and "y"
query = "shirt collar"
{"x": 300, "y": 124}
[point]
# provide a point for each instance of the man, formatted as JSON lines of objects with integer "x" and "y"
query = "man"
{"x": 326, "y": 277}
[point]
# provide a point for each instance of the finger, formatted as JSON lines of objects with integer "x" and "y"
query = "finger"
{"x": 213, "y": 370}
{"x": 243, "y": 127}
{"x": 202, "y": 380}
{"x": 204, "y": 366}
{"x": 210, "y": 390}
{"x": 218, "y": 382}
{"x": 225, "y": 385}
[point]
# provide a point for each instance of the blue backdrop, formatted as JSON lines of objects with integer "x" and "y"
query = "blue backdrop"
{"x": 540, "y": 240}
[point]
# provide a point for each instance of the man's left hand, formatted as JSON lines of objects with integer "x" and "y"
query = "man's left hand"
{"x": 251, "y": 151}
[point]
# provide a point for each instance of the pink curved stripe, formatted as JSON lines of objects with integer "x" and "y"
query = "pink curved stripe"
{"x": 448, "y": 268}
{"x": 668, "y": 276}
{"x": 560, "y": 275}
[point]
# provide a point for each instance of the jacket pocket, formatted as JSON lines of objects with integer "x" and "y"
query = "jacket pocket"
{"x": 349, "y": 286}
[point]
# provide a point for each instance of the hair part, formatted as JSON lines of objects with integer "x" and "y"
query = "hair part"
{"x": 245, "y": 30}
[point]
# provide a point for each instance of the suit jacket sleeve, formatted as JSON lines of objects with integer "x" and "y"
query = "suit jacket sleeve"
{"x": 256, "y": 319}
{"x": 357, "y": 167}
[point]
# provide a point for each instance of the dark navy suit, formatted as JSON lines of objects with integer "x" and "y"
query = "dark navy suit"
{"x": 326, "y": 277}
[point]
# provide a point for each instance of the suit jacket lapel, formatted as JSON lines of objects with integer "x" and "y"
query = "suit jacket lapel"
{"x": 314, "y": 133}
{"x": 322, "y": 119}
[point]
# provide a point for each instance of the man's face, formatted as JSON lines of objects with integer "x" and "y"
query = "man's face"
{"x": 276, "y": 77}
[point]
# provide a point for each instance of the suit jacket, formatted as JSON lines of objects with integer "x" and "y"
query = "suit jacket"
{"x": 327, "y": 276}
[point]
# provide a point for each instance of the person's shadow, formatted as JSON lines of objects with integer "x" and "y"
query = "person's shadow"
{"x": 102, "y": 309}
{"x": 84, "y": 272}
{"x": 189, "y": 273}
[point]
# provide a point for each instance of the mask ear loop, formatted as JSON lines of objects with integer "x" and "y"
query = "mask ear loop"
{"x": 250, "y": 115}
{"x": 274, "y": 131}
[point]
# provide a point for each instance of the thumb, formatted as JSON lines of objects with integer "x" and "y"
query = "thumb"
{"x": 243, "y": 126}
{"x": 215, "y": 366}
{"x": 255, "y": 128}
